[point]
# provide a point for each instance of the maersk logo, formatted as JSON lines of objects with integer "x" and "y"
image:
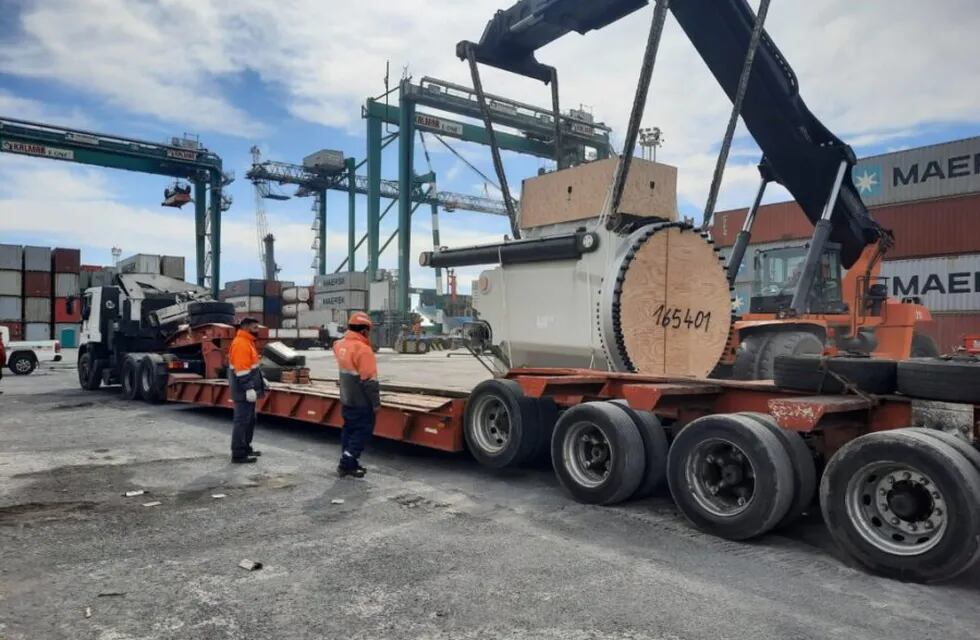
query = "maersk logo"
{"x": 867, "y": 180}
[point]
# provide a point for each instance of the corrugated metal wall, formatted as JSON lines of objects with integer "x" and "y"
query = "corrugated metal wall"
{"x": 923, "y": 173}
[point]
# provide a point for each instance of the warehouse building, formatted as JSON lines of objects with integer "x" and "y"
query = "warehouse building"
{"x": 930, "y": 198}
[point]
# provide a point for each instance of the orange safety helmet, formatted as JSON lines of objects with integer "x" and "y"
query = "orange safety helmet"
{"x": 360, "y": 318}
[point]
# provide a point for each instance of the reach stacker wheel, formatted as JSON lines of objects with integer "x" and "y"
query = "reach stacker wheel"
{"x": 129, "y": 377}
{"x": 730, "y": 476}
{"x": 903, "y": 504}
{"x": 654, "y": 449}
{"x": 597, "y": 453}
{"x": 500, "y": 424}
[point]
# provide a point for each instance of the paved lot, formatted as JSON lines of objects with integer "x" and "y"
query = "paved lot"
{"x": 427, "y": 546}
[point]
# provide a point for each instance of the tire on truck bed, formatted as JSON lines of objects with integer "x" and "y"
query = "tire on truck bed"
{"x": 947, "y": 379}
{"x": 813, "y": 373}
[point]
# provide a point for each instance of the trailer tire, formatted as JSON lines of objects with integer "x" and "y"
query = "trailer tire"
{"x": 747, "y": 357}
{"x": 880, "y": 498}
{"x": 211, "y": 307}
{"x": 654, "y": 449}
{"x": 197, "y": 320}
{"x": 129, "y": 378}
{"x": 953, "y": 380}
{"x": 500, "y": 424}
{"x": 547, "y": 418}
{"x": 89, "y": 372}
{"x": 804, "y": 468}
{"x": 962, "y": 447}
{"x": 706, "y": 471}
{"x": 22, "y": 364}
{"x": 810, "y": 373}
{"x": 597, "y": 453}
{"x": 923, "y": 346}
{"x": 153, "y": 378}
{"x": 785, "y": 343}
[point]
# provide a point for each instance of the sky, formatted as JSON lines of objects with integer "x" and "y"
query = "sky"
{"x": 292, "y": 77}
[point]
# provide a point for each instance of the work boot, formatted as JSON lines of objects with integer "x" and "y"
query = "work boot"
{"x": 254, "y": 452}
{"x": 354, "y": 472}
{"x": 244, "y": 460}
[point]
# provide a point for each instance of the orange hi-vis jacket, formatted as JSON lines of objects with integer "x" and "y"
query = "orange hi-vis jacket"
{"x": 358, "y": 371}
{"x": 243, "y": 366}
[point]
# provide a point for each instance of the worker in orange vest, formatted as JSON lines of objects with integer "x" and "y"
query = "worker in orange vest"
{"x": 360, "y": 395}
{"x": 247, "y": 386}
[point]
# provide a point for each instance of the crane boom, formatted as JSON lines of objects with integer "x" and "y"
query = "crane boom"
{"x": 800, "y": 152}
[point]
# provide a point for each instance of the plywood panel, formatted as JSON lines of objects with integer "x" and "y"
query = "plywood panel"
{"x": 578, "y": 193}
{"x": 675, "y": 306}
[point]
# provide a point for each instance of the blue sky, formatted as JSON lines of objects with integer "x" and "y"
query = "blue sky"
{"x": 882, "y": 75}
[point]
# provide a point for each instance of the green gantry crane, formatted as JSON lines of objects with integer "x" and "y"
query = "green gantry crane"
{"x": 183, "y": 159}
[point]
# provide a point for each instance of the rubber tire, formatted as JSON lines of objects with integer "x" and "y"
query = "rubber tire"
{"x": 805, "y": 373}
{"x": 210, "y": 307}
{"x": 774, "y": 485}
{"x": 747, "y": 357}
{"x": 935, "y": 379}
{"x": 28, "y": 359}
{"x": 923, "y": 346}
{"x": 547, "y": 418}
{"x": 197, "y": 320}
{"x": 626, "y": 444}
{"x": 962, "y": 447}
{"x": 421, "y": 347}
{"x": 804, "y": 468}
{"x": 654, "y": 449}
{"x": 153, "y": 379}
{"x": 524, "y": 427}
{"x": 785, "y": 343}
{"x": 89, "y": 376}
{"x": 272, "y": 373}
{"x": 954, "y": 475}
{"x": 129, "y": 378}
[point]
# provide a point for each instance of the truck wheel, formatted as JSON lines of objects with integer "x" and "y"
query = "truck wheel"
{"x": 962, "y": 447}
{"x": 500, "y": 424}
{"x": 730, "y": 477}
{"x": 785, "y": 343}
{"x": 89, "y": 372}
{"x": 153, "y": 378}
{"x": 747, "y": 358}
{"x": 22, "y": 364}
{"x": 597, "y": 453}
{"x": 811, "y": 373}
{"x": 129, "y": 378}
{"x": 923, "y": 346}
{"x": 801, "y": 460}
{"x": 903, "y": 505}
{"x": 953, "y": 380}
{"x": 654, "y": 449}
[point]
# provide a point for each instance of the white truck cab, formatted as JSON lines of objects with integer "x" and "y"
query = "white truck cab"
{"x": 24, "y": 356}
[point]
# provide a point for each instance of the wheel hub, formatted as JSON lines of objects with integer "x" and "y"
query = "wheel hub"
{"x": 588, "y": 454}
{"x": 721, "y": 477}
{"x": 909, "y": 501}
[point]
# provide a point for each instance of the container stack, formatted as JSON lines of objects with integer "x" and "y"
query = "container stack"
{"x": 66, "y": 283}
{"x": 11, "y": 290}
{"x": 171, "y": 266}
{"x": 295, "y": 301}
{"x": 341, "y": 292}
{"x": 273, "y": 304}
{"x": 248, "y": 298}
{"x": 92, "y": 275}
{"x": 37, "y": 293}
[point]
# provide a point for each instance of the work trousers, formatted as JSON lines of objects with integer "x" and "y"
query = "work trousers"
{"x": 358, "y": 427}
{"x": 241, "y": 434}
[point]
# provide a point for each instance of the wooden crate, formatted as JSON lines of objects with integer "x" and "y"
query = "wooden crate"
{"x": 578, "y": 193}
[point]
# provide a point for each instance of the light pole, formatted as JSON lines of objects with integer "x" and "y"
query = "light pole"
{"x": 650, "y": 139}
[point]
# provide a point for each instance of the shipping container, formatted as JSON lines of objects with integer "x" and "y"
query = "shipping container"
{"x": 273, "y": 288}
{"x": 91, "y": 267}
{"x": 273, "y": 305}
{"x": 67, "y": 334}
{"x": 173, "y": 266}
{"x": 11, "y": 257}
{"x": 140, "y": 263}
{"x": 319, "y": 318}
{"x": 66, "y": 260}
{"x": 239, "y": 288}
{"x": 949, "y": 329}
{"x": 104, "y": 278}
{"x": 292, "y": 310}
{"x": 289, "y": 323}
{"x": 950, "y": 283}
{"x": 345, "y": 281}
{"x": 924, "y": 173}
{"x": 773, "y": 223}
{"x": 11, "y": 308}
{"x": 328, "y": 159}
{"x": 247, "y": 304}
{"x": 37, "y": 284}
{"x": 37, "y": 310}
{"x": 296, "y": 294}
{"x": 37, "y": 259}
{"x": 37, "y": 331}
{"x": 61, "y": 314}
{"x": 11, "y": 283}
{"x": 15, "y": 329}
{"x": 382, "y": 295}
{"x": 66, "y": 284}
{"x": 347, "y": 300}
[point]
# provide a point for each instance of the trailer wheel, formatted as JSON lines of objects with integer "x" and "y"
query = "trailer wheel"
{"x": 654, "y": 449}
{"x": 923, "y": 346}
{"x": 903, "y": 505}
{"x": 804, "y": 469}
{"x": 962, "y": 447}
{"x": 597, "y": 453}
{"x": 547, "y": 418}
{"x": 129, "y": 377}
{"x": 89, "y": 372}
{"x": 813, "y": 373}
{"x": 153, "y": 378}
{"x": 22, "y": 364}
{"x": 500, "y": 424}
{"x": 730, "y": 477}
{"x": 950, "y": 380}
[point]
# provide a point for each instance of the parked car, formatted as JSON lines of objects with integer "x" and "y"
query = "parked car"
{"x": 23, "y": 357}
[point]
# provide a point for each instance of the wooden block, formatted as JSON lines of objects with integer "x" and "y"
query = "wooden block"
{"x": 578, "y": 193}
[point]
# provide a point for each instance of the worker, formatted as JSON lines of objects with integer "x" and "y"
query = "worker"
{"x": 360, "y": 395}
{"x": 247, "y": 386}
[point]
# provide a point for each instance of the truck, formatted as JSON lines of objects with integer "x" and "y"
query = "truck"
{"x": 24, "y": 356}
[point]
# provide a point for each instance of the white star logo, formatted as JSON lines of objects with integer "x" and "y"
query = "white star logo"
{"x": 737, "y": 304}
{"x": 867, "y": 181}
